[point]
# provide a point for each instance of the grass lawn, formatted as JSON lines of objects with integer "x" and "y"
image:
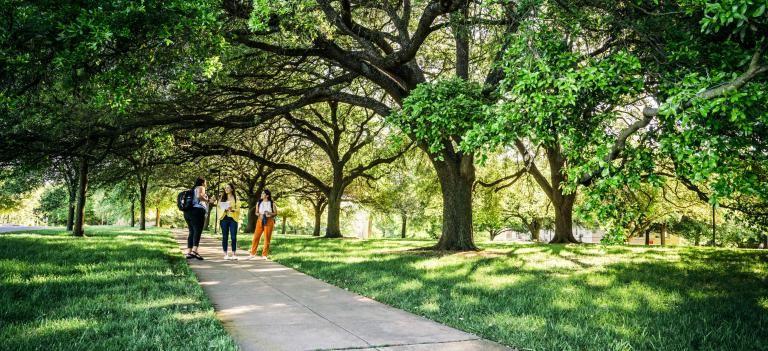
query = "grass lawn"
{"x": 116, "y": 289}
{"x": 555, "y": 297}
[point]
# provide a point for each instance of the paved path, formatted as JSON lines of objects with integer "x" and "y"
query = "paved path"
{"x": 267, "y": 306}
{"x": 4, "y": 228}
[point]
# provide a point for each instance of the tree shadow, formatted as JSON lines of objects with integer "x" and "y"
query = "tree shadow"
{"x": 120, "y": 289}
{"x": 710, "y": 299}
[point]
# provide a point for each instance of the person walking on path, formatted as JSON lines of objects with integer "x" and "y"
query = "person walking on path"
{"x": 195, "y": 218}
{"x": 228, "y": 220}
{"x": 264, "y": 225}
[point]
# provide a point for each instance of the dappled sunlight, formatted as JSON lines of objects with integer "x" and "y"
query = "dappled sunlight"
{"x": 56, "y": 287}
{"x": 63, "y": 325}
{"x": 410, "y": 285}
{"x": 540, "y": 294}
{"x": 165, "y": 303}
{"x": 193, "y": 316}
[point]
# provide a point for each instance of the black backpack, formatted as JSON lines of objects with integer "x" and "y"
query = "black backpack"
{"x": 186, "y": 200}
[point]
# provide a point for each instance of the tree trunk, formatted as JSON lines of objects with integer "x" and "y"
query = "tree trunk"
{"x": 369, "y": 234}
{"x": 714, "y": 227}
{"x": 562, "y": 203}
{"x": 563, "y": 206}
{"x": 206, "y": 224}
{"x": 142, "y": 207}
{"x": 403, "y": 225}
{"x": 82, "y": 191}
{"x": 157, "y": 217}
{"x": 319, "y": 207}
{"x": 534, "y": 226}
{"x": 333, "y": 229}
{"x": 253, "y": 217}
{"x": 663, "y": 234}
{"x": 647, "y": 237}
{"x": 71, "y": 214}
{"x": 72, "y": 189}
{"x": 133, "y": 213}
{"x": 284, "y": 223}
{"x": 456, "y": 174}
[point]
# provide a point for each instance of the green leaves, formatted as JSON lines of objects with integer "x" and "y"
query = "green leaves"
{"x": 438, "y": 114}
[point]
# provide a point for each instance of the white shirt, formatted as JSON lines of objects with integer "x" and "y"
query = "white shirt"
{"x": 264, "y": 207}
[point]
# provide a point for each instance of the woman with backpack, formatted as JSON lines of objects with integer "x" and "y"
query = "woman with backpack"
{"x": 195, "y": 218}
{"x": 228, "y": 221}
{"x": 266, "y": 211}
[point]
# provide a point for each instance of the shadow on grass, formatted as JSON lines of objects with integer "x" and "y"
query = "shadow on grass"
{"x": 113, "y": 289}
{"x": 547, "y": 297}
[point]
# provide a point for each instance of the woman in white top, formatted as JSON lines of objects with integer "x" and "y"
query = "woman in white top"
{"x": 264, "y": 225}
{"x": 195, "y": 218}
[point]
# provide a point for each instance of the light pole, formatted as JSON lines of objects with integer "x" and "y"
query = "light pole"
{"x": 218, "y": 190}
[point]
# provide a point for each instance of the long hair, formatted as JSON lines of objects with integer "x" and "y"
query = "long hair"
{"x": 225, "y": 196}
{"x": 271, "y": 202}
{"x": 199, "y": 182}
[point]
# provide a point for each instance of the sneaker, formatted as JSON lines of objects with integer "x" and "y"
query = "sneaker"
{"x": 265, "y": 258}
{"x": 251, "y": 257}
{"x": 226, "y": 257}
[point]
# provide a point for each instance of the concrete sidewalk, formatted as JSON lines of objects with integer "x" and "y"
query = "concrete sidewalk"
{"x": 267, "y": 306}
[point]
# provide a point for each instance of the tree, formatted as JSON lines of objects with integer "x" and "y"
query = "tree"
{"x": 344, "y": 135}
{"x": 384, "y": 56}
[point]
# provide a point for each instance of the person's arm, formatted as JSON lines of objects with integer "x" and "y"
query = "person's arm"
{"x": 201, "y": 194}
{"x": 274, "y": 208}
{"x": 234, "y": 207}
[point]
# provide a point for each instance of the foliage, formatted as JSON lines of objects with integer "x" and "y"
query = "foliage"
{"x": 439, "y": 113}
{"x": 53, "y": 205}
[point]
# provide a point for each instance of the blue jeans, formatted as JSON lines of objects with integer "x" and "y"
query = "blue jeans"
{"x": 228, "y": 228}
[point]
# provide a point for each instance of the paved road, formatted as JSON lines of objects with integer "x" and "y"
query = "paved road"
{"x": 4, "y": 228}
{"x": 269, "y": 307}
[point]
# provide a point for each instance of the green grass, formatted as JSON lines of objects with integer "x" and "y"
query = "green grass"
{"x": 116, "y": 289}
{"x": 555, "y": 297}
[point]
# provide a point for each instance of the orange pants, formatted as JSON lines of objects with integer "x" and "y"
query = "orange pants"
{"x": 265, "y": 229}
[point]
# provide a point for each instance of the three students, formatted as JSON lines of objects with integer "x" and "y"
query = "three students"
{"x": 228, "y": 220}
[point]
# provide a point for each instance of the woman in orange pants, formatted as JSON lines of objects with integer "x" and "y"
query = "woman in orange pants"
{"x": 264, "y": 225}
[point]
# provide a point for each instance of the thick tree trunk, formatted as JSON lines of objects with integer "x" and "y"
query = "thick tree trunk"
{"x": 403, "y": 226}
{"x": 456, "y": 178}
{"x": 82, "y": 191}
{"x": 143, "y": 207}
{"x": 333, "y": 229}
{"x": 563, "y": 206}
{"x": 663, "y": 234}
{"x": 562, "y": 203}
{"x": 133, "y": 213}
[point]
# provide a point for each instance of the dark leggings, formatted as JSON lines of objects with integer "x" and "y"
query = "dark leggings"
{"x": 228, "y": 229}
{"x": 195, "y": 219}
